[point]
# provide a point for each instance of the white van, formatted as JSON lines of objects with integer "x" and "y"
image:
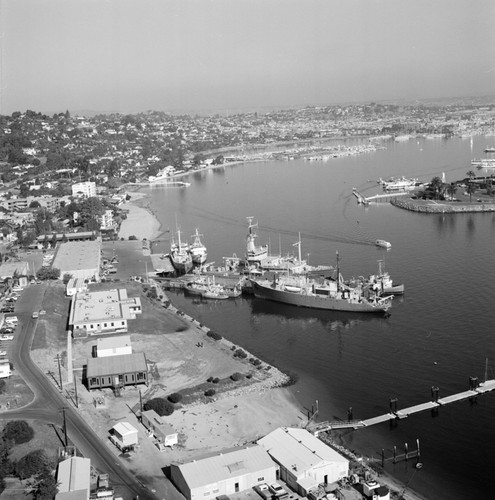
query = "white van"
{"x": 11, "y": 319}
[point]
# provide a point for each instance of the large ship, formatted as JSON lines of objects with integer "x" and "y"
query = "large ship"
{"x": 329, "y": 294}
{"x": 254, "y": 254}
{"x": 180, "y": 256}
{"x": 198, "y": 250}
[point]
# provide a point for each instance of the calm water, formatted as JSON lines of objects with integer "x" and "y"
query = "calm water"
{"x": 438, "y": 334}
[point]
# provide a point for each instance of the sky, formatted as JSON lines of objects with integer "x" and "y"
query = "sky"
{"x": 201, "y": 56}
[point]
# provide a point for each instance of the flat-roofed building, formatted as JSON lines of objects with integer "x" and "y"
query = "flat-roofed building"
{"x": 80, "y": 259}
{"x": 108, "y": 311}
{"x": 225, "y": 473}
{"x": 305, "y": 461}
{"x": 124, "y": 436}
{"x": 75, "y": 285}
{"x": 84, "y": 189}
{"x": 5, "y": 368}
{"x": 117, "y": 371}
{"x": 74, "y": 479}
{"x": 112, "y": 346}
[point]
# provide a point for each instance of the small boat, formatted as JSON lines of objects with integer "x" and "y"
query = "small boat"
{"x": 215, "y": 292}
{"x": 383, "y": 283}
{"x": 196, "y": 287}
{"x": 383, "y": 243}
{"x": 489, "y": 150}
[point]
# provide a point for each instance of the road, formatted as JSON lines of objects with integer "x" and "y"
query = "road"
{"x": 48, "y": 403}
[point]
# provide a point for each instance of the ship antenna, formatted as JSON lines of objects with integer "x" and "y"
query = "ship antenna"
{"x": 338, "y": 271}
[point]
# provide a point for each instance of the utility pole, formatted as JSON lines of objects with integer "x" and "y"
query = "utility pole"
{"x": 75, "y": 388}
{"x": 65, "y": 427}
{"x": 59, "y": 371}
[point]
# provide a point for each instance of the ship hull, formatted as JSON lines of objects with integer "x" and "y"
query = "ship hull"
{"x": 182, "y": 266}
{"x": 316, "y": 302}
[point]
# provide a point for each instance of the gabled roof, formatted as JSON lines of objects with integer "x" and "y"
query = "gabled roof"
{"x": 116, "y": 365}
{"x": 298, "y": 450}
{"x": 226, "y": 465}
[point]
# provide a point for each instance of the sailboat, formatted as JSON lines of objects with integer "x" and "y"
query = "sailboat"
{"x": 197, "y": 250}
{"x": 180, "y": 256}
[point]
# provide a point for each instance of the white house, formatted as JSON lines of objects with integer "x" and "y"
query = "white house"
{"x": 74, "y": 479}
{"x": 225, "y": 473}
{"x": 76, "y": 285}
{"x": 305, "y": 461}
{"x": 84, "y": 189}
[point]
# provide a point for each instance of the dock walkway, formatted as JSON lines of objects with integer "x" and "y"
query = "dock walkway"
{"x": 482, "y": 388}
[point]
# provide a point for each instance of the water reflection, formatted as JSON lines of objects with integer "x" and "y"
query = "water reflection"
{"x": 333, "y": 321}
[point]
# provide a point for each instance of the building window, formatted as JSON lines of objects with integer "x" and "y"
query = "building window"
{"x": 112, "y": 324}
{"x": 93, "y": 381}
{"x": 105, "y": 325}
{"x": 261, "y": 479}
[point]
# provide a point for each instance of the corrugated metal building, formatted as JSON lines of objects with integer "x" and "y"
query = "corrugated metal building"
{"x": 224, "y": 473}
{"x": 81, "y": 259}
{"x": 157, "y": 427}
{"x": 117, "y": 371}
{"x": 74, "y": 479}
{"x": 305, "y": 461}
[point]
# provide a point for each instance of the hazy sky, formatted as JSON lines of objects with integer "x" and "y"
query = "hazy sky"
{"x": 200, "y": 55}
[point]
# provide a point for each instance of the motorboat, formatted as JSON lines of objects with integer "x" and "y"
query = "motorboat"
{"x": 383, "y": 244}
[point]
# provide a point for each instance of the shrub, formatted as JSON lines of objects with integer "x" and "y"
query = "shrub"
{"x": 210, "y": 379}
{"x": 214, "y": 335}
{"x": 249, "y": 375}
{"x": 236, "y": 376}
{"x": 176, "y": 397}
{"x": 210, "y": 392}
{"x": 18, "y": 431}
{"x": 239, "y": 353}
{"x": 132, "y": 237}
{"x": 160, "y": 405}
{"x": 216, "y": 380}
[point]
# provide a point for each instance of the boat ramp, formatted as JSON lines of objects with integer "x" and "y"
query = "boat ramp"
{"x": 474, "y": 391}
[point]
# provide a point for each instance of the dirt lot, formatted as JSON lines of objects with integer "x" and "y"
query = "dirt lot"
{"x": 181, "y": 357}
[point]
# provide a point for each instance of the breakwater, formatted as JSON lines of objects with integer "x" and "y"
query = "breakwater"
{"x": 431, "y": 207}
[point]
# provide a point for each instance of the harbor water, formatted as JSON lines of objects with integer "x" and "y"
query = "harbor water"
{"x": 439, "y": 333}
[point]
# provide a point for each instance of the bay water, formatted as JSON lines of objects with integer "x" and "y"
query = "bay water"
{"x": 439, "y": 333}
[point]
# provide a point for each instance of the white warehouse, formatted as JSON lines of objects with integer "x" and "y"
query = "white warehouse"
{"x": 305, "y": 461}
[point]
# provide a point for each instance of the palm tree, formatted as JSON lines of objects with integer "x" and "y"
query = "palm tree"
{"x": 451, "y": 190}
{"x": 436, "y": 185}
{"x": 470, "y": 174}
{"x": 471, "y": 189}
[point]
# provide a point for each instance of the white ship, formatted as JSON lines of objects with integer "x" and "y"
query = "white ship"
{"x": 254, "y": 254}
{"x": 197, "y": 250}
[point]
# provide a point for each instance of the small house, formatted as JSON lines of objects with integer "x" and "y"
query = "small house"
{"x": 112, "y": 346}
{"x": 124, "y": 436}
{"x": 162, "y": 431}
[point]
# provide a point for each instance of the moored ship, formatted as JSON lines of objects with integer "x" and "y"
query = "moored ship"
{"x": 399, "y": 184}
{"x": 332, "y": 295}
{"x": 254, "y": 254}
{"x": 180, "y": 256}
{"x": 198, "y": 250}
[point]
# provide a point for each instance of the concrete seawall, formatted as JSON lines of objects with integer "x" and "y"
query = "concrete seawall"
{"x": 430, "y": 207}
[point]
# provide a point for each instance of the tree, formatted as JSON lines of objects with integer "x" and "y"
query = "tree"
{"x": 451, "y": 190}
{"x": 44, "y": 486}
{"x": 91, "y": 209}
{"x": 67, "y": 277}
{"x": 160, "y": 405}
{"x": 471, "y": 188}
{"x": 470, "y": 174}
{"x": 31, "y": 464}
{"x": 35, "y": 204}
{"x": 436, "y": 185}
{"x": 47, "y": 273}
{"x": 18, "y": 431}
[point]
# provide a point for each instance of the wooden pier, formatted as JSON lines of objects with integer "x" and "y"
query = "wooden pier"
{"x": 398, "y": 414}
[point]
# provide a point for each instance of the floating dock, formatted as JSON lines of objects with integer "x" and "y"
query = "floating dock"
{"x": 366, "y": 200}
{"x": 396, "y": 414}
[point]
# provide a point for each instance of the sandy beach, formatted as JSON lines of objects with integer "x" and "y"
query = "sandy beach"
{"x": 140, "y": 221}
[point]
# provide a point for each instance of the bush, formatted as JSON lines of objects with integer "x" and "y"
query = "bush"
{"x": 249, "y": 375}
{"x": 237, "y": 376}
{"x": 18, "y": 431}
{"x": 210, "y": 392}
{"x": 132, "y": 237}
{"x": 210, "y": 379}
{"x": 214, "y": 335}
{"x": 239, "y": 353}
{"x": 176, "y": 397}
{"x": 216, "y": 380}
{"x": 160, "y": 405}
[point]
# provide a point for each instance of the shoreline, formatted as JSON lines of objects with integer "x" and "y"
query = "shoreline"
{"x": 140, "y": 202}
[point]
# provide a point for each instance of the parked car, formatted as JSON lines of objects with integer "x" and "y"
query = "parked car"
{"x": 277, "y": 491}
{"x": 7, "y": 330}
{"x": 6, "y": 337}
{"x": 35, "y": 314}
{"x": 263, "y": 490}
{"x": 3, "y": 353}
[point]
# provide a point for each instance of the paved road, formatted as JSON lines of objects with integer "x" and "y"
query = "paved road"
{"x": 48, "y": 402}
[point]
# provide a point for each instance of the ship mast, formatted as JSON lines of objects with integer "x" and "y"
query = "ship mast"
{"x": 338, "y": 271}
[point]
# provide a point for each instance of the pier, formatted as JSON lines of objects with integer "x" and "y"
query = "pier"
{"x": 474, "y": 391}
{"x": 366, "y": 200}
